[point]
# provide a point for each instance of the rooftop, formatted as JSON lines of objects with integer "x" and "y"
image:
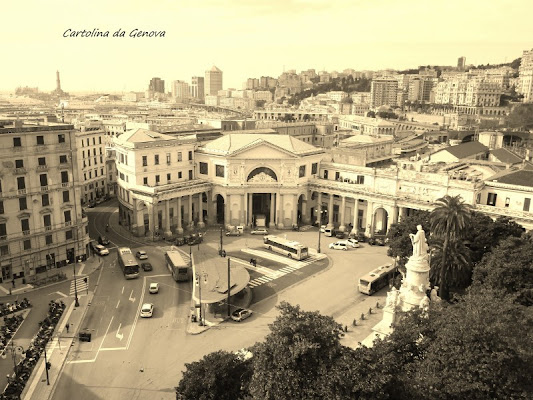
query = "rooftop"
{"x": 505, "y": 156}
{"x": 464, "y": 150}
{"x": 522, "y": 177}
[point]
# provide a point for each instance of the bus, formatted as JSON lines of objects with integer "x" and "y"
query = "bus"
{"x": 128, "y": 263}
{"x": 377, "y": 279}
{"x": 179, "y": 269}
{"x": 286, "y": 247}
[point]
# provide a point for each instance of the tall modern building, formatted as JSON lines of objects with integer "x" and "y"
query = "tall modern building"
{"x": 42, "y": 225}
{"x": 197, "y": 87}
{"x": 461, "y": 63}
{"x": 525, "y": 77}
{"x": 157, "y": 85}
{"x": 383, "y": 91}
{"x": 180, "y": 90}
{"x": 213, "y": 81}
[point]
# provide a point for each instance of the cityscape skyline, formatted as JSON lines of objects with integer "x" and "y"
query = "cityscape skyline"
{"x": 250, "y": 38}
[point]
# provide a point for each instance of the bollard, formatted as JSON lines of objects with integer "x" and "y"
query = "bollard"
{"x": 370, "y": 311}
{"x": 362, "y": 316}
{"x": 345, "y": 328}
{"x": 377, "y": 304}
{"x": 354, "y": 322}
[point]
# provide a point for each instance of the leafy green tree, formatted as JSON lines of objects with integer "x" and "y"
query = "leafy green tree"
{"x": 371, "y": 114}
{"x": 479, "y": 348}
{"x": 521, "y": 117}
{"x": 484, "y": 234}
{"x": 508, "y": 270}
{"x": 218, "y": 376}
{"x": 455, "y": 262}
{"x": 295, "y": 356}
{"x": 449, "y": 220}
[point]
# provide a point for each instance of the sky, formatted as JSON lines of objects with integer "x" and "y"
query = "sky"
{"x": 247, "y": 38}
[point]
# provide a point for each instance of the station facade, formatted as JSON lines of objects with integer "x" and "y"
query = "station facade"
{"x": 168, "y": 185}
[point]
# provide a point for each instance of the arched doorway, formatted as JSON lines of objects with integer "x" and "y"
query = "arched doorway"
{"x": 220, "y": 209}
{"x": 381, "y": 219}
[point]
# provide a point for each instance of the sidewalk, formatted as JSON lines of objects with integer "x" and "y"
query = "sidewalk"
{"x": 57, "y": 350}
{"x": 84, "y": 268}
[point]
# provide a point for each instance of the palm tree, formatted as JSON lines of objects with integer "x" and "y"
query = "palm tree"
{"x": 449, "y": 220}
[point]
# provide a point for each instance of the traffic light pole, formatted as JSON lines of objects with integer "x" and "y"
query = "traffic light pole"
{"x": 229, "y": 286}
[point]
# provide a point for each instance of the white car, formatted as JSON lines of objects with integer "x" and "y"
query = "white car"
{"x": 154, "y": 288}
{"x": 241, "y": 314}
{"x": 323, "y": 228}
{"x": 338, "y": 245}
{"x": 141, "y": 255}
{"x": 259, "y": 231}
{"x": 147, "y": 310}
{"x": 353, "y": 242}
{"x": 101, "y": 250}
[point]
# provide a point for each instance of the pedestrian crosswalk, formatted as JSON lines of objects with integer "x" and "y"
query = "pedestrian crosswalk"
{"x": 82, "y": 285}
{"x": 270, "y": 274}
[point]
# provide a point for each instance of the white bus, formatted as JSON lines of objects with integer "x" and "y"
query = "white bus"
{"x": 128, "y": 263}
{"x": 180, "y": 270}
{"x": 286, "y": 247}
{"x": 376, "y": 279}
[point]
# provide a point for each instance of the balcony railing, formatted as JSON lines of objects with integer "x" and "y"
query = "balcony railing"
{"x": 42, "y": 167}
{"x": 65, "y": 184}
{"x": 20, "y": 170}
{"x": 25, "y": 233}
{"x": 21, "y": 191}
{"x": 3, "y": 237}
{"x": 68, "y": 223}
{"x": 44, "y": 188}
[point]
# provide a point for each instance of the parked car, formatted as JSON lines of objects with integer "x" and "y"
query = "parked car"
{"x": 141, "y": 255}
{"x": 146, "y": 266}
{"x": 195, "y": 238}
{"x": 259, "y": 231}
{"x": 340, "y": 235}
{"x": 361, "y": 237}
{"x": 147, "y": 310}
{"x": 180, "y": 241}
{"x": 90, "y": 204}
{"x": 377, "y": 240}
{"x": 103, "y": 240}
{"x": 241, "y": 314}
{"x": 234, "y": 232}
{"x": 353, "y": 242}
{"x": 99, "y": 249}
{"x": 322, "y": 228}
{"x": 154, "y": 288}
{"x": 338, "y": 246}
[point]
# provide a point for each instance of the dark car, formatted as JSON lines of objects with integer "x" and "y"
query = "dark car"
{"x": 361, "y": 237}
{"x": 339, "y": 235}
{"x": 377, "y": 240}
{"x": 103, "y": 240}
{"x": 196, "y": 238}
{"x": 146, "y": 266}
{"x": 180, "y": 241}
{"x": 90, "y": 204}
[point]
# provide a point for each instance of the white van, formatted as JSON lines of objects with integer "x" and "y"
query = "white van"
{"x": 329, "y": 232}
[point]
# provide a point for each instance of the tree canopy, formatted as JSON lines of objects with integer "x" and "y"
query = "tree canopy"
{"x": 521, "y": 117}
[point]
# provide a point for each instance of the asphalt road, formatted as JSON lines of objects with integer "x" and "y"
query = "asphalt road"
{"x": 132, "y": 358}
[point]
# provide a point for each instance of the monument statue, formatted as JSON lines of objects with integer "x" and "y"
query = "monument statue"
{"x": 392, "y": 298}
{"x": 424, "y": 305}
{"x": 418, "y": 240}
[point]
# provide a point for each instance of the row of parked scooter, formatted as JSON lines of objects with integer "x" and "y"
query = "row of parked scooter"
{"x": 31, "y": 356}
{"x": 9, "y": 308}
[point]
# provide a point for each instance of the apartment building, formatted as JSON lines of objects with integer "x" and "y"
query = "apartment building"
{"x": 525, "y": 77}
{"x": 42, "y": 226}
{"x": 383, "y": 91}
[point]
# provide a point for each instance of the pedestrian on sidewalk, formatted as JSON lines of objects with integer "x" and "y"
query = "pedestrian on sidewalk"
{"x": 67, "y": 326}
{"x": 13, "y": 282}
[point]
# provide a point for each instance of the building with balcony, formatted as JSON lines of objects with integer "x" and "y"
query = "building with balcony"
{"x": 367, "y": 125}
{"x": 525, "y": 77}
{"x": 91, "y": 143}
{"x": 42, "y": 226}
{"x": 383, "y": 92}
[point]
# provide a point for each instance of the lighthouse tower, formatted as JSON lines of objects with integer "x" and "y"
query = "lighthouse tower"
{"x": 58, "y": 82}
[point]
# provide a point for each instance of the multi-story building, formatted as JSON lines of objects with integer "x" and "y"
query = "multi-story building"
{"x": 91, "y": 143}
{"x": 366, "y": 125}
{"x": 157, "y": 85}
{"x": 42, "y": 226}
{"x": 473, "y": 92}
{"x": 267, "y": 82}
{"x": 383, "y": 91}
{"x": 180, "y": 90}
{"x": 265, "y": 95}
{"x": 157, "y": 180}
{"x": 361, "y": 97}
{"x": 212, "y": 100}
{"x": 525, "y": 76}
{"x": 213, "y": 81}
{"x": 197, "y": 87}
{"x": 337, "y": 95}
{"x": 461, "y": 63}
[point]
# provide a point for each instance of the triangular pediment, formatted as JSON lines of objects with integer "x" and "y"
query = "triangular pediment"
{"x": 261, "y": 150}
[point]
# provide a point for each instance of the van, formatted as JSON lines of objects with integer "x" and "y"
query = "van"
{"x": 329, "y": 232}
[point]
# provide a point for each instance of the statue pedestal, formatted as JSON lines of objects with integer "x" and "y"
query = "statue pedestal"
{"x": 415, "y": 283}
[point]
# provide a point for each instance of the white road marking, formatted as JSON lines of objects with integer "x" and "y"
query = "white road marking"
{"x": 118, "y": 303}
{"x": 61, "y": 294}
{"x": 132, "y": 299}
{"x": 122, "y": 290}
{"x": 118, "y": 335}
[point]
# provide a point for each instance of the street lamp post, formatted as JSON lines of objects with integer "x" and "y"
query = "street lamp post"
{"x": 319, "y": 216}
{"x": 76, "y": 301}
{"x": 229, "y": 286}
{"x": 46, "y": 365}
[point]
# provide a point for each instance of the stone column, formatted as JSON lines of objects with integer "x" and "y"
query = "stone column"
{"x": 319, "y": 209}
{"x": 369, "y": 219}
{"x": 190, "y": 222}
{"x": 305, "y": 213}
{"x": 168, "y": 232}
{"x": 272, "y": 223}
{"x": 150, "y": 208}
{"x": 402, "y": 213}
{"x": 342, "y": 227}
{"x": 279, "y": 215}
{"x": 227, "y": 211}
{"x": 295, "y": 210}
{"x": 355, "y": 228}
{"x": 242, "y": 210}
{"x": 330, "y": 211}
{"x": 250, "y": 209}
{"x": 201, "y": 223}
{"x": 179, "y": 228}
